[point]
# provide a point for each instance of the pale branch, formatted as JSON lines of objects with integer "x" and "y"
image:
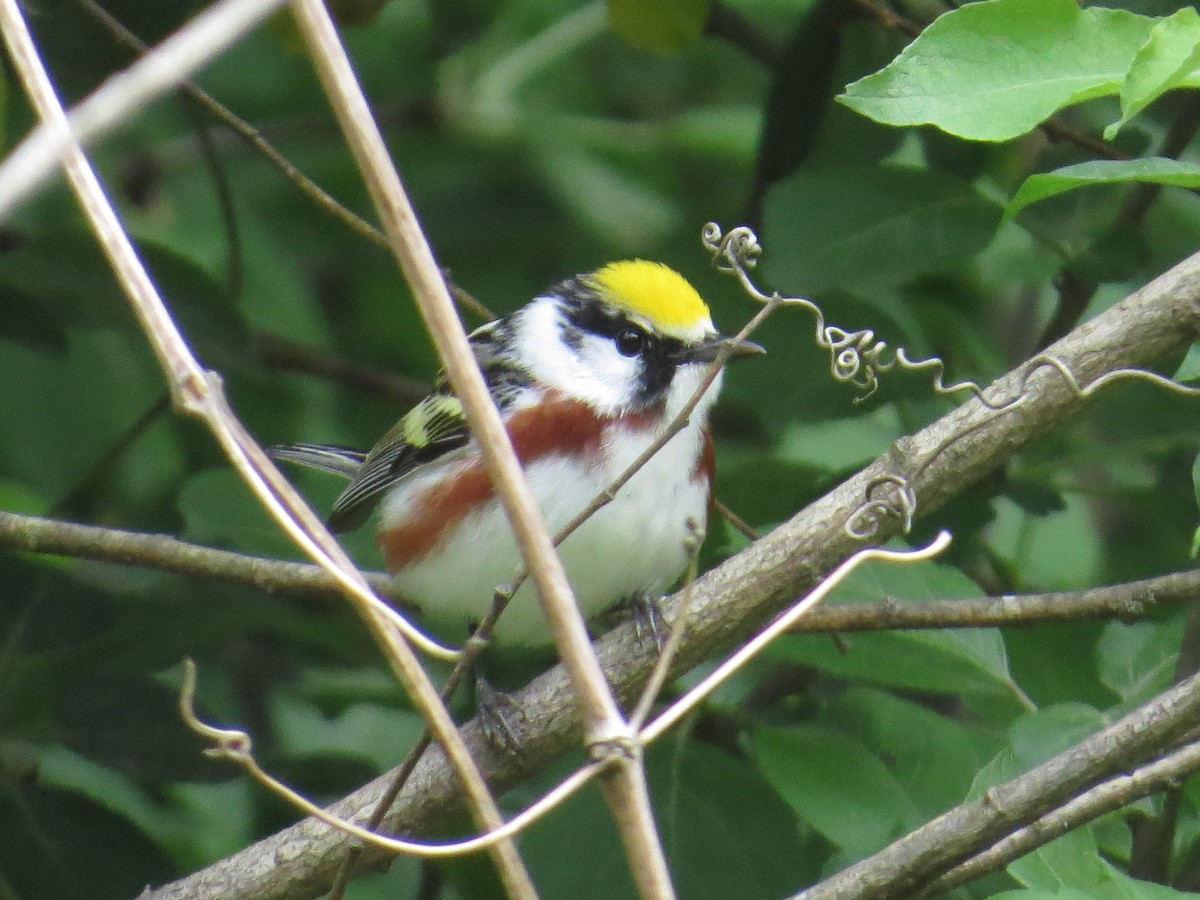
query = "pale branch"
{"x": 1125, "y": 602}
{"x": 1163, "y": 774}
{"x": 197, "y": 391}
{"x": 606, "y": 733}
{"x": 408, "y": 244}
{"x": 733, "y": 600}
{"x": 908, "y": 865}
{"x": 36, "y": 534}
{"x": 210, "y": 33}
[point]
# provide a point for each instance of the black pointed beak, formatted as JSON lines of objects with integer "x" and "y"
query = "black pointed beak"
{"x": 708, "y": 349}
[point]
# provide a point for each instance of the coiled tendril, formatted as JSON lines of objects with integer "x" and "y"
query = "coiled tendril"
{"x": 858, "y": 358}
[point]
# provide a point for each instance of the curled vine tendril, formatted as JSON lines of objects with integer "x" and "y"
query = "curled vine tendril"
{"x": 855, "y": 357}
{"x": 858, "y": 358}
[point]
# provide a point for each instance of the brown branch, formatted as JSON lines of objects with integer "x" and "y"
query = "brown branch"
{"x": 282, "y": 353}
{"x": 735, "y": 29}
{"x": 1125, "y": 602}
{"x": 910, "y": 863}
{"x": 1154, "y": 836}
{"x": 1164, "y": 774}
{"x": 1104, "y": 798}
{"x": 732, "y": 601}
{"x": 34, "y": 534}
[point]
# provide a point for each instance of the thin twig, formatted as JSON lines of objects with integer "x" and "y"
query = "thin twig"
{"x": 282, "y": 353}
{"x": 1162, "y": 774}
{"x": 254, "y": 139}
{"x": 661, "y": 671}
{"x": 37, "y": 157}
{"x": 101, "y": 468}
{"x": 198, "y": 392}
{"x": 234, "y": 264}
{"x": 35, "y": 534}
{"x": 235, "y": 746}
{"x": 605, "y": 728}
{"x": 732, "y": 26}
{"x": 1127, "y": 602}
{"x": 735, "y": 520}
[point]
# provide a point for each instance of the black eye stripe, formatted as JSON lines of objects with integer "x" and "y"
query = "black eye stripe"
{"x": 590, "y": 316}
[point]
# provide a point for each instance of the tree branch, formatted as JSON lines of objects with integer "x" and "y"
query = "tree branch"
{"x": 733, "y": 600}
{"x": 1126, "y": 602}
{"x": 1160, "y": 775}
{"x": 907, "y": 865}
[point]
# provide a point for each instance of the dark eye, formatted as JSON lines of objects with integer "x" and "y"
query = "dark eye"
{"x": 630, "y": 342}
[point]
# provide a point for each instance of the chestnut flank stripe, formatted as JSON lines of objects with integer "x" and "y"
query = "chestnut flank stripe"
{"x": 557, "y": 425}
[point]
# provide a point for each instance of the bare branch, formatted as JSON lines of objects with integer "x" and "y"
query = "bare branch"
{"x": 38, "y": 156}
{"x": 733, "y": 600}
{"x": 909, "y": 864}
{"x": 1160, "y": 775}
{"x": 1125, "y": 602}
{"x": 605, "y": 726}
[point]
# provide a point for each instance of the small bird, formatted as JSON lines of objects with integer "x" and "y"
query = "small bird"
{"x": 585, "y": 376}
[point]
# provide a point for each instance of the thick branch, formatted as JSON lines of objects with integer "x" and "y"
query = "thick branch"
{"x": 733, "y": 600}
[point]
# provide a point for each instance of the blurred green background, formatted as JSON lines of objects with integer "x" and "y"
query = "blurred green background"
{"x": 537, "y": 143}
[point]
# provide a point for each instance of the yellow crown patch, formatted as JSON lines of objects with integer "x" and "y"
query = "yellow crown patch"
{"x": 660, "y": 295}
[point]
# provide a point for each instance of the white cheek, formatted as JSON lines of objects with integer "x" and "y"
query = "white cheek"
{"x": 595, "y": 373}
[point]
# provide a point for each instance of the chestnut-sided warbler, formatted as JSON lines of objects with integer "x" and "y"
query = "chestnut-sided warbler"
{"x": 585, "y": 376}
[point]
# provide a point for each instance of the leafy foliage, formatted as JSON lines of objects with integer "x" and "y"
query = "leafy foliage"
{"x": 538, "y": 143}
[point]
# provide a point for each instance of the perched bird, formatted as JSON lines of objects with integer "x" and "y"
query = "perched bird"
{"x": 585, "y": 376}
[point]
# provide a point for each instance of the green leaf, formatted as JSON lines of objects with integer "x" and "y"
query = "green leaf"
{"x": 994, "y": 70}
{"x": 619, "y": 206}
{"x": 1165, "y": 62}
{"x": 1072, "y": 861}
{"x": 937, "y": 754}
{"x": 725, "y": 829}
{"x": 851, "y": 225}
{"x": 49, "y": 847}
{"x": 661, "y": 26}
{"x": 1138, "y": 660}
{"x": 955, "y": 662}
{"x": 1037, "y": 736}
{"x": 1152, "y": 169}
{"x": 1189, "y": 369}
{"x": 835, "y": 784}
{"x": 1196, "y": 491}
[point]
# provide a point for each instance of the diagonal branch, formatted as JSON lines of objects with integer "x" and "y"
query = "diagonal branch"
{"x": 607, "y": 733}
{"x": 732, "y": 601}
{"x": 1163, "y": 774}
{"x": 908, "y": 864}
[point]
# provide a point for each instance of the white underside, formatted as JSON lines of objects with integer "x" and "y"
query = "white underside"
{"x": 635, "y": 543}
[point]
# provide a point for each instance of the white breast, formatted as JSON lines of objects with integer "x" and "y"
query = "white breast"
{"x": 635, "y": 543}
